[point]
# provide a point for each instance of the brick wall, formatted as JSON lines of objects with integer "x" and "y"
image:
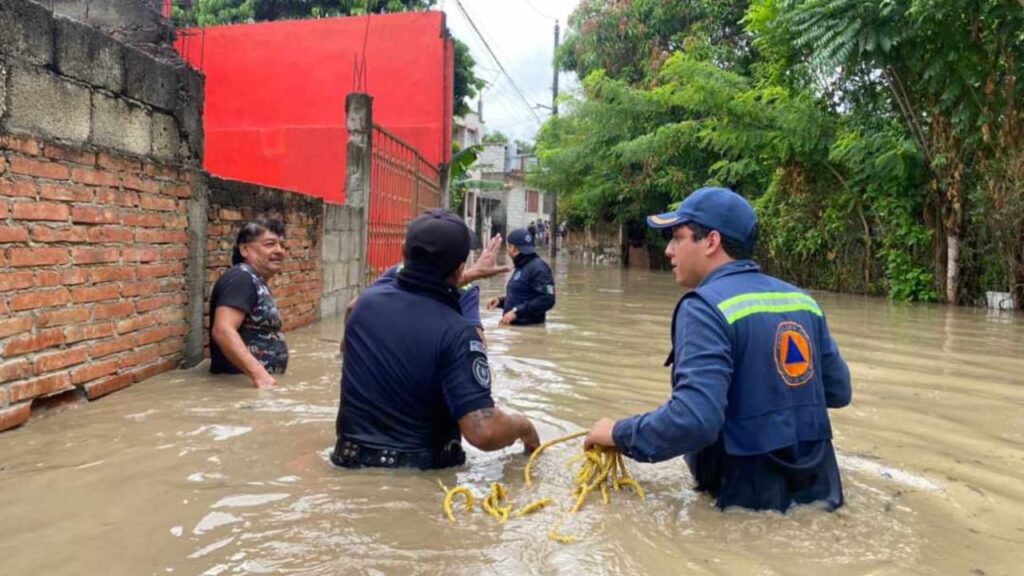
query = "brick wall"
{"x": 92, "y": 260}
{"x": 297, "y": 289}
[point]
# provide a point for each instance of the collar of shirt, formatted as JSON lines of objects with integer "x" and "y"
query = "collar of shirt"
{"x": 520, "y": 260}
{"x": 429, "y": 286}
{"x": 734, "y": 267}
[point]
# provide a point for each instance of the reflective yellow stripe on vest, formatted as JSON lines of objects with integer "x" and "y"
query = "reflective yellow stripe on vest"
{"x": 739, "y": 307}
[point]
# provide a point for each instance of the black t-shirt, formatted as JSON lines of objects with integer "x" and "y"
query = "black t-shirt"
{"x": 243, "y": 289}
{"x": 413, "y": 367}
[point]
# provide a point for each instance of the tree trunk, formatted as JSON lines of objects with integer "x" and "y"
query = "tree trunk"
{"x": 952, "y": 267}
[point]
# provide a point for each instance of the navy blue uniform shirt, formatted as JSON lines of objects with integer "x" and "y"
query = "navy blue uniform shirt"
{"x": 469, "y": 296}
{"x": 413, "y": 367}
{"x": 530, "y": 290}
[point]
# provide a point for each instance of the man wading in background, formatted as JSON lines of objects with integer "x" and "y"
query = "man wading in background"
{"x": 754, "y": 370}
{"x": 245, "y": 325}
{"x": 531, "y": 290}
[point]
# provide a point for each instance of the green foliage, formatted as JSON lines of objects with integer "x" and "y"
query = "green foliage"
{"x": 496, "y": 137}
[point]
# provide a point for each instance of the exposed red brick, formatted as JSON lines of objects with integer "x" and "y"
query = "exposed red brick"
{"x": 59, "y": 234}
{"x": 159, "y": 302}
{"x": 94, "y": 177}
{"x": 157, "y": 203}
{"x": 95, "y": 294}
{"x": 14, "y": 416}
{"x": 92, "y": 371}
{"x": 161, "y": 236}
{"x": 15, "y": 370}
{"x": 152, "y": 370}
{"x": 84, "y": 215}
{"x": 119, "y": 164}
{"x": 68, "y": 277}
{"x": 13, "y": 234}
{"x": 3, "y": 164}
{"x": 137, "y": 323}
{"x": 118, "y": 273}
{"x": 57, "y": 360}
{"x": 62, "y": 153}
{"x": 33, "y": 342}
{"x": 173, "y": 253}
{"x": 110, "y": 234}
{"x": 39, "y": 299}
{"x": 23, "y": 144}
{"x": 99, "y": 388}
{"x": 229, "y": 214}
{"x": 74, "y": 334}
{"x": 38, "y": 256}
{"x": 176, "y": 223}
{"x": 144, "y": 220}
{"x": 140, "y": 288}
{"x": 178, "y": 191}
{"x": 65, "y": 192}
{"x": 142, "y": 185}
{"x": 161, "y": 270}
{"x": 43, "y": 386}
{"x": 16, "y": 281}
{"x": 62, "y": 317}
{"x": 116, "y": 310}
{"x": 39, "y": 169}
{"x": 152, "y": 335}
{"x": 172, "y": 346}
{"x": 94, "y": 255}
{"x": 57, "y": 401}
{"x": 4, "y": 210}
{"x": 143, "y": 356}
{"x": 40, "y": 211}
{"x": 12, "y": 326}
{"x": 139, "y": 254}
{"x": 111, "y": 196}
{"x": 160, "y": 172}
{"x": 119, "y": 344}
{"x": 18, "y": 188}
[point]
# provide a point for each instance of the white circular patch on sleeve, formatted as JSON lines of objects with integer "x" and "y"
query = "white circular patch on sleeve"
{"x": 482, "y": 372}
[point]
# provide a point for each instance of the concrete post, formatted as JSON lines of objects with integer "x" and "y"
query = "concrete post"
{"x": 195, "y": 273}
{"x": 358, "y": 169}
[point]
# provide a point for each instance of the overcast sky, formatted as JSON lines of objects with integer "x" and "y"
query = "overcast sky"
{"x": 521, "y": 34}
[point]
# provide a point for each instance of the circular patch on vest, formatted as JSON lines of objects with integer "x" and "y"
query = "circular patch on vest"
{"x": 482, "y": 372}
{"x": 793, "y": 356}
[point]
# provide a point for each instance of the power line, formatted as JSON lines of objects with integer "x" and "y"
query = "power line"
{"x": 501, "y": 66}
{"x": 535, "y": 9}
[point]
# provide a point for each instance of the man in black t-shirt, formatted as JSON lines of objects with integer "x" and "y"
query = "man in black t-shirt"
{"x": 245, "y": 324}
{"x": 416, "y": 377}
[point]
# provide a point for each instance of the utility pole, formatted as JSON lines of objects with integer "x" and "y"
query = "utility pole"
{"x": 553, "y": 227}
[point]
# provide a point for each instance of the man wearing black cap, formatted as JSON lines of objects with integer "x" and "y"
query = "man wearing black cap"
{"x": 754, "y": 370}
{"x": 531, "y": 290}
{"x": 415, "y": 377}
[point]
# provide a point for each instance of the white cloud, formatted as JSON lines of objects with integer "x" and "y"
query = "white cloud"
{"x": 521, "y": 34}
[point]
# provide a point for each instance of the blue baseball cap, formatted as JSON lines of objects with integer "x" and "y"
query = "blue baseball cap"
{"x": 717, "y": 209}
{"x": 522, "y": 239}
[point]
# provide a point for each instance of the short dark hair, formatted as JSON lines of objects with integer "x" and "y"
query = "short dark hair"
{"x": 252, "y": 230}
{"x": 734, "y": 248}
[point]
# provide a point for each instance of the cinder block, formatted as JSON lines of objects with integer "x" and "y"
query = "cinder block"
{"x": 26, "y": 31}
{"x": 89, "y": 55}
{"x": 119, "y": 125}
{"x": 122, "y": 14}
{"x": 353, "y": 275}
{"x": 189, "y": 109}
{"x": 332, "y": 248}
{"x": 3, "y": 90}
{"x": 341, "y": 276}
{"x": 42, "y": 103}
{"x": 149, "y": 80}
{"x": 166, "y": 138}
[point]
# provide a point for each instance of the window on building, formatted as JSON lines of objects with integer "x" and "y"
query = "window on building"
{"x": 532, "y": 201}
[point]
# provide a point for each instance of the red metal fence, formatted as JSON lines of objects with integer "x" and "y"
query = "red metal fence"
{"x": 402, "y": 185}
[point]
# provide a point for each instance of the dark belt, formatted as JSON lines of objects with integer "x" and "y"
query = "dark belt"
{"x": 352, "y": 454}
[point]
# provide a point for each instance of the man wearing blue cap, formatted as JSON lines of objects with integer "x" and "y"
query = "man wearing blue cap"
{"x": 754, "y": 370}
{"x": 416, "y": 378}
{"x": 531, "y": 290}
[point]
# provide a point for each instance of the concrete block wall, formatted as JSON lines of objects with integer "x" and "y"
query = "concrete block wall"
{"x": 67, "y": 81}
{"x": 92, "y": 262}
{"x": 297, "y": 290}
{"x": 137, "y": 23}
{"x": 343, "y": 268}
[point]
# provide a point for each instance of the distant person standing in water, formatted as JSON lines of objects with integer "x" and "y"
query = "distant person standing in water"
{"x": 754, "y": 371}
{"x": 245, "y": 324}
{"x": 531, "y": 290}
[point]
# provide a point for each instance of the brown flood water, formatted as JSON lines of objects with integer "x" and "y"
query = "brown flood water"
{"x": 187, "y": 474}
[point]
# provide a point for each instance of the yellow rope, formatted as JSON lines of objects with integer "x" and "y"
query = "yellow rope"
{"x": 543, "y": 447}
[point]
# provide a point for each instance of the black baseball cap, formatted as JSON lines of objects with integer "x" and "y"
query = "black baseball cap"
{"x": 436, "y": 241}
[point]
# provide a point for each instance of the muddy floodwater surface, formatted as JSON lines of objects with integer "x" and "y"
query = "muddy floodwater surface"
{"x": 192, "y": 474}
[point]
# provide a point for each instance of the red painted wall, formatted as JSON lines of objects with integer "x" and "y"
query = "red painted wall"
{"x": 275, "y": 94}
